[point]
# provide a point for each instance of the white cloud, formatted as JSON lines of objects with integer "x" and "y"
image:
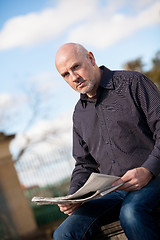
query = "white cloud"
{"x": 45, "y": 135}
{"x": 35, "y": 28}
{"x": 11, "y": 111}
{"x": 96, "y": 23}
{"x": 103, "y": 32}
{"x": 45, "y": 82}
{"x": 141, "y": 4}
{"x": 5, "y": 100}
{"x": 52, "y": 154}
{"x": 8, "y": 101}
{"x": 46, "y": 128}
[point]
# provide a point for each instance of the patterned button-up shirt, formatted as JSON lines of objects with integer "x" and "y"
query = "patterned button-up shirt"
{"x": 120, "y": 130}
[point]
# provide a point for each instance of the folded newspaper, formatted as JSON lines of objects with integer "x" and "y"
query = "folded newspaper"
{"x": 96, "y": 186}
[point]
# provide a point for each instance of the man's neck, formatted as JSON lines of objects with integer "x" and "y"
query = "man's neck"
{"x": 93, "y": 95}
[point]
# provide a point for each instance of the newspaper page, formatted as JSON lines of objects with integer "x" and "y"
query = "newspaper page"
{"x": 96, "y": 186}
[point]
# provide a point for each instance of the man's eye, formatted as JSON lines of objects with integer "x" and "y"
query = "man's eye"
{"x": 65, "y": 75}
{"x": 76, "y": 66}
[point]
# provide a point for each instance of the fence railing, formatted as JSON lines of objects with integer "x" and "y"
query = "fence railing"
{"x": 47, "y": 175}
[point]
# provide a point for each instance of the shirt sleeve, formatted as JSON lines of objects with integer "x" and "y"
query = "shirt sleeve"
{"x": 85, "y": 163}
{"x": 148, "y": 99}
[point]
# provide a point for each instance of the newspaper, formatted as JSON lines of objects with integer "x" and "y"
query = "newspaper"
{"x": 96, "y": 186}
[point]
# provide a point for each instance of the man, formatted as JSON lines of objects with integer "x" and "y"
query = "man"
{"x": 116, "y": 131}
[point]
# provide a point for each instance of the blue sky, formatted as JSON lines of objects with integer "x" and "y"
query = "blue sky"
{"x": 31, "y": 32}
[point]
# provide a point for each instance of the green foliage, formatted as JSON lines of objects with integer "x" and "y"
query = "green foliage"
{"x": 46, "y": 214}
{"x": 135, "y": 65}
{"x": 55, "y": 190}
{"x": 153, "y": 73}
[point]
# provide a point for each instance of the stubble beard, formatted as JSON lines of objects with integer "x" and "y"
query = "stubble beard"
{"x": 87, "y": 89}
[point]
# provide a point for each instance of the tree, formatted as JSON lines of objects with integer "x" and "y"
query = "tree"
{"x": 153, "y": 73}
{"x": 134, "y": 65}
{"x": 156, "y": 61}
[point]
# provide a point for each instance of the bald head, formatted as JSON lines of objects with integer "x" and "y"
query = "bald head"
{"x": 78, "y": 68}
{"x": 70, "y": 48}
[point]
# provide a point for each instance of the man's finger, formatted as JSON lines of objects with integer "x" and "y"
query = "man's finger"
{"x": 117, "y": 182}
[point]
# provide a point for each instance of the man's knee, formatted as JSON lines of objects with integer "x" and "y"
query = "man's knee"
{"x": 129, "y": 214}
{"x": 57, "y": 234}
{"x": 68, "y": 230}
{"x": 60, "y": 233}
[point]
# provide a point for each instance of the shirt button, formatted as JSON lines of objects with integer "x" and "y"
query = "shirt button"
{"x": 113, "y": 161}
{"x": 106, "y": 142}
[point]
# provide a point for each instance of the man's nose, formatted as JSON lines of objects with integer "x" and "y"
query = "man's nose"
{"x": 75, "y": 76}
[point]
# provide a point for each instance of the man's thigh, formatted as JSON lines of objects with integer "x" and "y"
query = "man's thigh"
{"x": 89, "y": 216}
{"x": 98, "y": 207}
{"x": 148, "y": 197}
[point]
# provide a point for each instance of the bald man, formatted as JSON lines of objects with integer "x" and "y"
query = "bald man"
{"x": 116, "y": 131}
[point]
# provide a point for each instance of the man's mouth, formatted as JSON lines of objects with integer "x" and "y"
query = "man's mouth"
{"x": 81, "y": 84}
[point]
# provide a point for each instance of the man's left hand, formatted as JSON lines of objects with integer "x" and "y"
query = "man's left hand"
{"x": 134, "y": 179}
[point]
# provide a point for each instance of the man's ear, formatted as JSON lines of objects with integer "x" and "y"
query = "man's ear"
{"x": 91, "y": 58}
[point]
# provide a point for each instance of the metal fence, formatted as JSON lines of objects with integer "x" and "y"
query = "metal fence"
{"x": 47, "y": 175}
{"x": 36, "y": 169}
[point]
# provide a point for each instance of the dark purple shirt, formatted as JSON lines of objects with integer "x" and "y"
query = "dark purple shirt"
{"x": 119, "y": 131}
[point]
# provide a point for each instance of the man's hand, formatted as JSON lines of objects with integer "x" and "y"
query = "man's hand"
{"x": 69, "y": 208}
{"x": 134, "y": 179}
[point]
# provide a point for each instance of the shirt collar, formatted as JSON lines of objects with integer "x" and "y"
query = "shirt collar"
{"x": 105, "y": 82}
{"x": 106, "y": 78}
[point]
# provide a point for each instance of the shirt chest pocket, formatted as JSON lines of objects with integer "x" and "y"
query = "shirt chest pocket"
{"x": 114, "y": 113}
{"x": 118, "y": 108}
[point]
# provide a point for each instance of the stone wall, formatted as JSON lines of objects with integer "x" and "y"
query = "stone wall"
{"x": 16, "y": 217}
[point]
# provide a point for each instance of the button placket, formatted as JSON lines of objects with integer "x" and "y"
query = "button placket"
{"x": 106, "y": 132}
{"x": 103, "y": 124}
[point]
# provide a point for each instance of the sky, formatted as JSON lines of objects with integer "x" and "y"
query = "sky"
{"x": 34, "y": 100}
{"x": 31, "y": 32}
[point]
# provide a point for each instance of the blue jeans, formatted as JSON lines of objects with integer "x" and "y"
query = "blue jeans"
{"x": 134, "y": 210}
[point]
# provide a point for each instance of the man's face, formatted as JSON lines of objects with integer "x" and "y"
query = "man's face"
{"x": 78, "y": 70}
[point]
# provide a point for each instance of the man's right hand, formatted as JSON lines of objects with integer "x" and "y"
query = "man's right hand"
{"x": 69, "y": 208}
{"x": 134, "y": 179}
